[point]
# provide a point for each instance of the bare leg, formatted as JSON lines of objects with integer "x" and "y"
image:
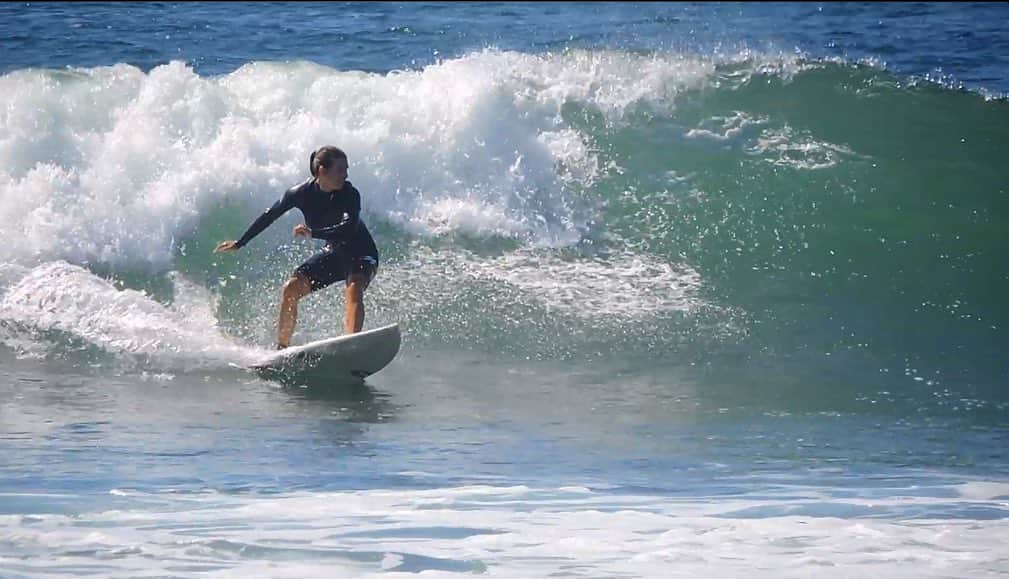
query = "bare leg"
{"x": 296, "y": 288}
{"x": 353, "y": 321}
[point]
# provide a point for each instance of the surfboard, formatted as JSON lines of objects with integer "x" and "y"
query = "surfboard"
{"x": 347, "y": 358}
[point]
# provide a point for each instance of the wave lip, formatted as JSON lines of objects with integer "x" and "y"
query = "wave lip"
{"x": 110, "y": 164}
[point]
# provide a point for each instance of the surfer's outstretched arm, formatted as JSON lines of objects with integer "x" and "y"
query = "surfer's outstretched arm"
{"x": 282, "y": 206}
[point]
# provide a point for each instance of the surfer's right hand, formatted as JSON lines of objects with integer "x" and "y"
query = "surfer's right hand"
{"x": 226, "y": 246}
{"x": 302, "y": 230}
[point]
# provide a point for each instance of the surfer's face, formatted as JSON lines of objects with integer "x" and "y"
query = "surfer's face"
{"x": 337, "y": 174}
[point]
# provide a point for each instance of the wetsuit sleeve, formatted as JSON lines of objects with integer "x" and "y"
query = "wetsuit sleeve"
{"x": 282, "y": 206}
{"x": 347, "y": 227}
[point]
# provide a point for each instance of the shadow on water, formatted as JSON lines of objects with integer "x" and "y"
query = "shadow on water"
{"x": 354, "y": 401}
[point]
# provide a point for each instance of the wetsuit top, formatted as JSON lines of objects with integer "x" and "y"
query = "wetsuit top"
{"x": 334, "y": 216}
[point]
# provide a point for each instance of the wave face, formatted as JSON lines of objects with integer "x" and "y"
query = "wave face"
{"x": 812, "y": 225}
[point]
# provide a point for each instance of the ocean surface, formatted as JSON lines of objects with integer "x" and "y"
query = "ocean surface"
{"x": 685, "y": 290}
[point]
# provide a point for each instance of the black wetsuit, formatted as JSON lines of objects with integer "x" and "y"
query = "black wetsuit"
{"x": 335, "y": 217}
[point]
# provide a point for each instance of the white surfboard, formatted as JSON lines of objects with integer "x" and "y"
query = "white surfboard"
{"x": 350, "y": 357}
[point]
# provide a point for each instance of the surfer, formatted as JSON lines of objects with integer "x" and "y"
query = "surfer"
{"x": 331, "y": 206}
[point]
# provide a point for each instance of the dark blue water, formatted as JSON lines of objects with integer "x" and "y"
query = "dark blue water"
{"x": 958, "y": 44}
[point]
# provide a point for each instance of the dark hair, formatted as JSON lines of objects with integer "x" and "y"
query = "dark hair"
{"x": 324, "y": 157}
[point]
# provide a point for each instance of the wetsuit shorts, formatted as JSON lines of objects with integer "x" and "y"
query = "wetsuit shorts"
{"x": 334, "y": 264}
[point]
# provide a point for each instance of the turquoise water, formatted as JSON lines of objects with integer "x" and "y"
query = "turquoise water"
{"x": 684, "y": 289}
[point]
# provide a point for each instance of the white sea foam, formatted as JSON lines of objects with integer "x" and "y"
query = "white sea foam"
{"x": 781, "y": 145}
{"x": 512, "y": 531}
{"x": 726, "y": 128}
{"x": 787, "y": 147}
{"x": 111, "y": 164}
